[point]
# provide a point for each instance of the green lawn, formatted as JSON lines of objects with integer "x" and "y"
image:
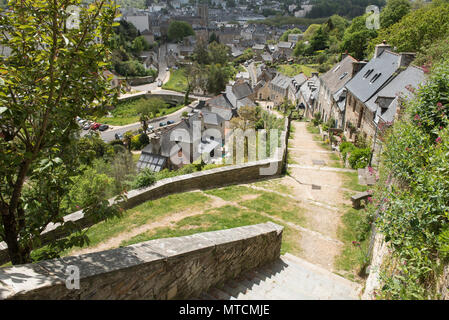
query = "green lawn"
{"x": 126, "y": 113}
{"x": 295, "y": 69}
{"x": 251, "y": 207}
{"x": 177, "y": 81}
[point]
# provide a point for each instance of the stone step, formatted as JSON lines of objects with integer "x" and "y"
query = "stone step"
{"x": 289, "y": 278}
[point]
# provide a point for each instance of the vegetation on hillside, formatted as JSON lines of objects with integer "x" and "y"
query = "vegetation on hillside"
{"x": 411, "y": 200}
{"x": 127, "y": 45}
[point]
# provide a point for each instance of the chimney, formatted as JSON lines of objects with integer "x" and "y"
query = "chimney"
{"x": 357, "y": 66}
{"x": 405, "y": 58}
{"x": 156, "y": 144}
{"x": 344, "y": 55}
{"x": 381, "y": 48}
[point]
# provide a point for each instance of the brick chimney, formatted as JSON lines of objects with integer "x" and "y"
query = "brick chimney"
{"x": 357, "y": 66}
{"x": 344, "y": 55}
{"x": 405, "y": 58}
{"x": 381, "y": 48}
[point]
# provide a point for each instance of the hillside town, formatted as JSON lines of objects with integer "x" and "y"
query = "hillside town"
{"x": 218, "y": 150}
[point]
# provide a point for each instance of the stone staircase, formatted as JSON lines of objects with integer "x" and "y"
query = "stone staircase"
{"x": 289, "y": 278}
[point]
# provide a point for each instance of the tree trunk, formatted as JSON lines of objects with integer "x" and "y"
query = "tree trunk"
{"x": 16, "y": 254}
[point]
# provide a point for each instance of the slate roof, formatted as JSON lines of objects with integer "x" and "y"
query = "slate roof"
{"x": 267, "y": 57}
{"x": 212, "y": 118}
{"x": 339, "y": 75}
{"x": 225, "y": 113}
{"x": 400, "y": 86}
{"x": 373, "y": 75}
{"x": 285, "y": 45}
{"x": 245, "y": 102}
{"x": 281, "y": 81}
{"x": 310, "y": 89}
{"x": 242, "y": 90}
{"x": 300, "y": 79}
{"x": 258, "y": 47}
{"x": 340, "y": 98}
{"x": 219, "y": 101}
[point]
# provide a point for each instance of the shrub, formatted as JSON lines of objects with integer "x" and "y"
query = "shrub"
{"x": 145, "y": 178}
{"x": 135, "y": 142}
{"x": 345, "y": 148}
{"x": 144, "y": 140}
{"x": 359, "y": 158}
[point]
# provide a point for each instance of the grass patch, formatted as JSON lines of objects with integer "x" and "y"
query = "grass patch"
{"x": 275, "y": 185}
{"x": 233, "y": 193}
{"x": 126, "y": 113}
{"x": 277, "y": 206}
{"x": 353, "y": 256}
{"x": 295, "y": 69}
{"x": 225, "y": 217}
{"x": 177, "y": 81}
{"x": 146, "y": 213}
{"x": 351, "y": 181}
{"x": 312, "y": 129}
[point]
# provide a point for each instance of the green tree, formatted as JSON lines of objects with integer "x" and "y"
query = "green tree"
{"x": 319, "y": 40}
{"x": 357, "y": 37}
{"x": 219, "y": 53}
{"x": 200, "y": 53}
{"x": 285, "y": 35}
{"x": 217, "y": 79}
{"x": 54, "y": 74}
{"x": 148, "y": 109}
{"x": 310, "y": 32}
{"x": 213, "y": 37}
{"x": 139, "y": 44}
{"x": 417, "y": 30}
{"x": 393, "y": 12}
{"x": 178, "y": 30}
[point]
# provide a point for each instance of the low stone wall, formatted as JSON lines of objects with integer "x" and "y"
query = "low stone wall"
{"x": 139, "y": 80}
{"x": 172, "y": 268}
{"x": 213, "y": 178}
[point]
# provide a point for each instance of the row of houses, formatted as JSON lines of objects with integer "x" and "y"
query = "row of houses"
{"x": 360, "y": 97}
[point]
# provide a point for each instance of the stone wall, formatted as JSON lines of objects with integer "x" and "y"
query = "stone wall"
{"x": 213, "y": 178}
{"x": 172, "y": 268}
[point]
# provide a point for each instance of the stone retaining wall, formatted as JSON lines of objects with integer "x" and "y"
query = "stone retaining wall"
{"x": 213, "y": 178}
{"x": 172, "y": 268}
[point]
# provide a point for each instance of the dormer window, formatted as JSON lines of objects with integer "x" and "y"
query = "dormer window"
{"x": 368, "y": 73}
{"x": 376, "y": 76}
{"x": 343, "y": 75}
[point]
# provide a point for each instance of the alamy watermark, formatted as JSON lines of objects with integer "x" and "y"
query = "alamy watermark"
{"x": 372, "y": 22}
{"x": 72, "y": 282}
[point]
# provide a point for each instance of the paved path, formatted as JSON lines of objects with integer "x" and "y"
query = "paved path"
{"x": 289, "y": 278}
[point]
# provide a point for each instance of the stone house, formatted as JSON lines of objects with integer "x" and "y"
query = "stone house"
{"x": 332, "y": 95}
{"x": 279, "y": 88}
{"x": 285, "y": 49}
{"x": 184, "y": 142}
{"x": 308, "y": 95}
{"x": 360, "y": 114}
